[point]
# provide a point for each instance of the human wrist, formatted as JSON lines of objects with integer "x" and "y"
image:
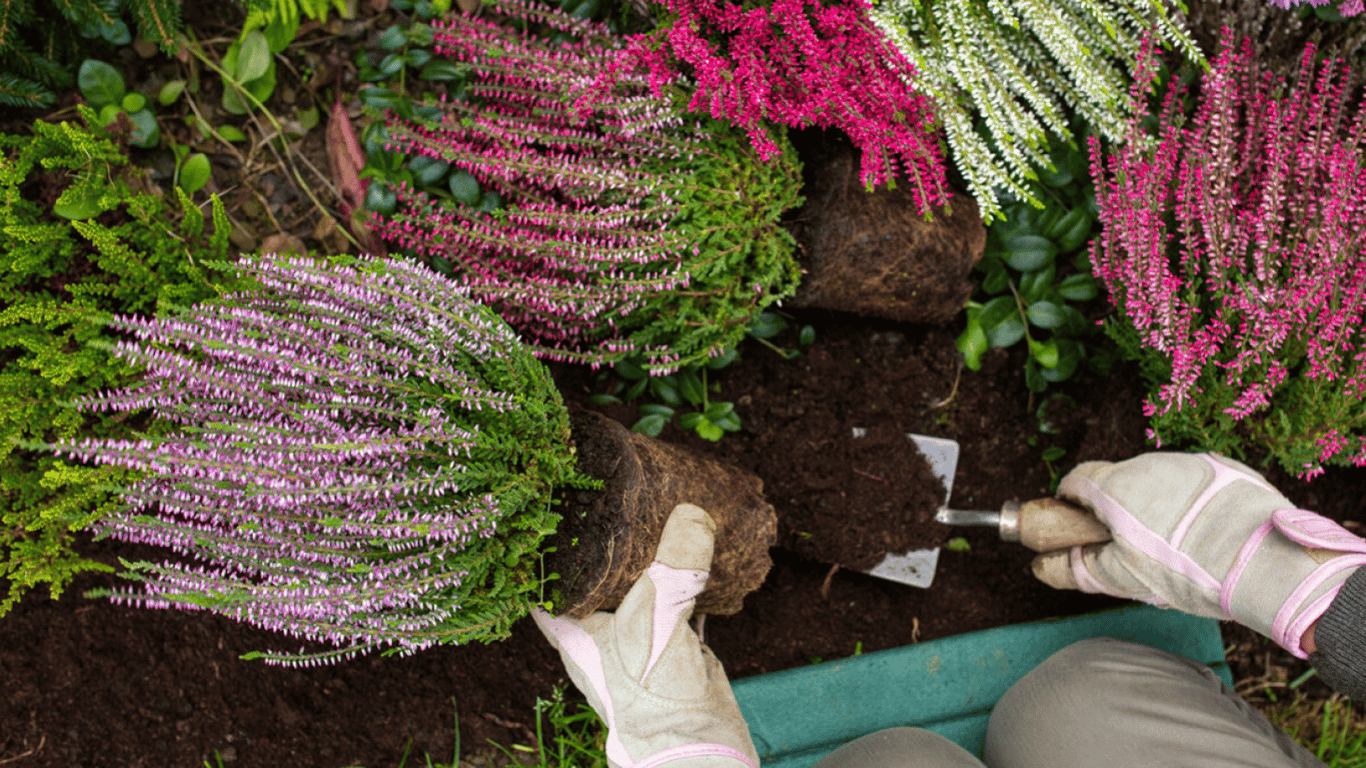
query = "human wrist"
{"x": 1339, "y": 654}
{"x": 1307, "y": 639}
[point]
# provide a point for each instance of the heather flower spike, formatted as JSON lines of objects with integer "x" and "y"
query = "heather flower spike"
{"x": 1252, "y": 309}
{"x": 629, "y": 230}
{"x": 797, "y": 63}
{"x": 365, "y": 458}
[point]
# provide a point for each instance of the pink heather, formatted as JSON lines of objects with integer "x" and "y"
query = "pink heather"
{"x": 1348, "y": 8}
{"x": 1270, "y": 257}
{"x": 798, "y": 63}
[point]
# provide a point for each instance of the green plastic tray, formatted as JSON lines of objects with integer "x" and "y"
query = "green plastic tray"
{"x": 948, "y": 686}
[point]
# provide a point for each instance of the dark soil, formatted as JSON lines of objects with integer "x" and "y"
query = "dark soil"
{"x": 92, "y": 684}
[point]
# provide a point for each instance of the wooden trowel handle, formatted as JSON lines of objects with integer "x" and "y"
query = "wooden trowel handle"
{"x": 1049, "y": 524}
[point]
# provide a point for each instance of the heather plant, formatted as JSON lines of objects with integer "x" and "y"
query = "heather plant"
{"x": 1001, "y": 74}
{"x": 1232, "y": 249}
{"x": 82, "y": 235}
{"x": 364, "y": 457}
{"x": 796, "y": 63}
{"x": 630, "y": 230}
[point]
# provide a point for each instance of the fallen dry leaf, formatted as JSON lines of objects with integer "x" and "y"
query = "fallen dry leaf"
{"x": 281, "y": 243}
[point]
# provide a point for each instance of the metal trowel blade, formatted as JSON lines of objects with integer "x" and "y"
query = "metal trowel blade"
{"x": 917, "y": 567}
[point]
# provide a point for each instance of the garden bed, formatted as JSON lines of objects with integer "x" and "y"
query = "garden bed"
{"x": 93, "y": 684}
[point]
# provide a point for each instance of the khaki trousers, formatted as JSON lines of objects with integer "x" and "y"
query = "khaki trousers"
{"x": 1100, "y": 703}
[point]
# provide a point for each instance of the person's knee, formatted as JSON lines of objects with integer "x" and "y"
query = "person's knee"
{"x": 901, "y": 747}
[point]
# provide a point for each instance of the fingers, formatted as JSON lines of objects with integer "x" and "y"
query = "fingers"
{"x": 687, "y": 540}
{"x": 1067, "y": 569}
{"x": 1082, "y": 484}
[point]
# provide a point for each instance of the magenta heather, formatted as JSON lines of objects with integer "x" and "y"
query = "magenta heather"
{"x": 1254, "y": 304}
{"x": 797, "y": 63}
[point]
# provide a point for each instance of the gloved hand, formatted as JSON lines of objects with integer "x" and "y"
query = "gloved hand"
{"x": 1207, "y": 535}
{"x": 662, "y": 694}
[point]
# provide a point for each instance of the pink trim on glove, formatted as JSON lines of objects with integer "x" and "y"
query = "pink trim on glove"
{"x": 579, "y": 646}
{"x": 1082, "y": 575}
{"x": 1128, "y": 528}
{"x": 1311, "y": 529}
{"x": 676, "y": 591}
{"x": 1224, "y": 476}
{"x": 1239, "y": 565}
{"x": 686, "y": 751}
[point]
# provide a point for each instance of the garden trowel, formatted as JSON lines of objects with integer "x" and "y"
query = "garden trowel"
{"x": 1042, "y": 525}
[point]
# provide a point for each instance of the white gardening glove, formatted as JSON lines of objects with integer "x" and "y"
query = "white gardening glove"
{"x": 1207, "y": 535}
{"x": 662, "y": 694}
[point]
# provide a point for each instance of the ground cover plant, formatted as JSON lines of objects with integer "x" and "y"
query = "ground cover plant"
{"x": 1233, "y": 253}
{"x": 364, "y": 457}
{"x": 635, "y": 230}
{"x": 81, "y": 236}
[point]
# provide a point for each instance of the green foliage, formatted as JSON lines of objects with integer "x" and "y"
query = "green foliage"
{"x": 712, "y": 419}
{"x": 1035, "y": 274}
{"x": 42, "y": 40}
{"x": 103, "y": 246}
{"x": 103, "y": 87}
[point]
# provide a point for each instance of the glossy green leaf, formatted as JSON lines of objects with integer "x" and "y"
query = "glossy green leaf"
{"x": 379, "y": 98}
{"x": 231, "y": 133}
{"x": 1006, "y": 333}
{"x": 636, "y": 390}
{"x": 665, "y": 388}
{"x": 170, "y": 92}
{"x": 464, "y": 188}
{"x": 1069, "y": 358}
{"x": 100, "y": 83}
{"x": 650, "y": 425}
{"x": 767, "y": 325}
{"x": 690, "y": 386}
{"x": 441, "y": 69}
{"x": 689, "y": 420}
{"x": 380, "y": 198}
{"x": 393, "y": 38}
{"x": 1075, "y": 323}
{"x": 1063, "y": 223}
{"x": 1075, "y": 230}
{"x": 428, "y": 170}
{"x": 391, "y": 65}
{"x": 997, "y": 311}
{"x": 1078, "y": 287}
{"x": 972, "y": 342}
{"x": 146, "y": 132}
{"x": 807, "y": 336}
{"x": 109, "y": 113}
{"x": 490, "y": 201}
{"x": 115, "y": 32}
{"x": 1053, "y": 453}
{"x": 602, "y": 398}
{"x": 657, "y": 409}
{"x": 1045, "y": 314}
{"x": 253, "y": 58}
{"x": 421, "y": 34}
{"x": 997, "y": 279}
{"x": 628, "y": 370}
{"x": 194, "y": 173}
{"x": 1045, "y": 352}
{"x": 1046, "y": 219}
{"x": 133, "y": 102}
{"x": 1030, "y": 252}
{"x": 1035, "y": 285}
{"x": 719, "y": 410}
{"x": 417, "y": 57}
{"x": 730, "y": 422}
{"x": 308, "y": 118}
{"x": 709, "y": 431}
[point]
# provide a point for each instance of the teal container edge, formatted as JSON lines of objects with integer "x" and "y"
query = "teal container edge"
{"x": 948, "y": 686}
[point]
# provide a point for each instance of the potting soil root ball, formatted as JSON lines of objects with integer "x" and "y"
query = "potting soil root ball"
{"x": 606, "y": 539}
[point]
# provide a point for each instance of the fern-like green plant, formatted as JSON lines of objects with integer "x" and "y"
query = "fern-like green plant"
{"x": 1011, "y": 65}
{"x": 39, "y": 53}
{"x": 81, "y": 237}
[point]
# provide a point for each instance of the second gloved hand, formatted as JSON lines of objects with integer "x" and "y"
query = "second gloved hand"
{"x": 1207, "y": 535}
{"x": 662, "y": 694}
